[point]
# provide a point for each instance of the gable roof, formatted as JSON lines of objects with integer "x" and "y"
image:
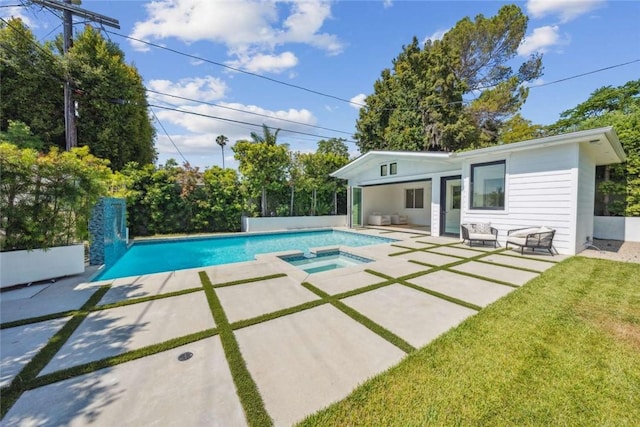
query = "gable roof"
{"x": 601, "y": 143}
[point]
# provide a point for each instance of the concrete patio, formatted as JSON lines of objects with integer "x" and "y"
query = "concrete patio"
{"x": 306, "y": 340}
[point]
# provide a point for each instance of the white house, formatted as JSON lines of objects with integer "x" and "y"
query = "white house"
{"x": 542, "y": 182}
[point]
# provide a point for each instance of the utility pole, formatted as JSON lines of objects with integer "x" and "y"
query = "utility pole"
{"x": 70, "y": 10}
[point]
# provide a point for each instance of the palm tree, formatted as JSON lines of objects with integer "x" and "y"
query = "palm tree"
{"x": 266, "y": 137}
{"x": 222, "y": 141}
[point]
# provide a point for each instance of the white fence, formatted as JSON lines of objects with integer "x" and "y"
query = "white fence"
{"x": 292, "y": 222}
{"x": 617, "y": 228}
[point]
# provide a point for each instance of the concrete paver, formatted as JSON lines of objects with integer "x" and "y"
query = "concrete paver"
{"x": 250, "y": 300}
{"x": 343, "y": 283}
{"x": 496, "y": 272}
{"x": 483, "y": 248}
{"x": 396, "y": 267}
{"x": 378, "y": 251}
{"x": 117, "y": 330}
{"x": 470, "y": 289}
{"x": 151, "y": 284}
{"x": 429, "y": 258}
{"x": 438, "y": 240}
{"x": 239, "y": 271}
{"x": 63, "y": 295}
{"x": 305, "y": 361}
{"x": 540, "y": 253}
{"x": 519, "y": 262}
{"x": 412, "y": 244}
{"x": 18, "y": 345}
{"x": 155, "y": 390}
{"x": 415, "y": 316}
{"x": 460, "y": 252}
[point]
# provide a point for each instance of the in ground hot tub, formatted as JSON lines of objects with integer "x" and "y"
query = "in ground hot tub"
{"x": 324, "y": 261}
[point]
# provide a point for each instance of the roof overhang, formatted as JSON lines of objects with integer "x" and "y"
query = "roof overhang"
{"x": 602, "y": 144}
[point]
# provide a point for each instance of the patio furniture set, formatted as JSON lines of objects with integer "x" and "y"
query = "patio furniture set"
{"x": 376, "y": 218}
{"x": 531, "y": 237}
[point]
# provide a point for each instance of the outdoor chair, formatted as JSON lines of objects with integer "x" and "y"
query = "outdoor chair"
{"x": 399, "y": 219}
{"x": 377, "y": 218}
{"x": 479, "y": 232}
{"x": 531, "y": 237}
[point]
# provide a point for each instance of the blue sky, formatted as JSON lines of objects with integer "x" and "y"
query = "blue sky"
{"x": 337, "y": 48}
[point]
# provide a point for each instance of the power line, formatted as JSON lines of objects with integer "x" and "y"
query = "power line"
{"x": 239, "y": 70}
{"x": 247, "y": 112}
{"x": 587, "y": 73}
{"x": 238, "y": 121}
{"x": 168, "y": 136}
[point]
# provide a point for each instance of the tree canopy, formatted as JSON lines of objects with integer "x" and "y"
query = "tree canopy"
{"x": 113, "y": 119}
{"x": 421, "y": 103}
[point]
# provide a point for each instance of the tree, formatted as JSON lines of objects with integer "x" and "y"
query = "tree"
{"x": 20, "y": 134}
{"x": 618, "y": 185}
{"x": 220, "y": 201}
{"x": 263, "y": 166}
{"x": 420, "y": 104}
{"x": 113, "y": 116}
{"x": 267, "y": 136}
{"x": 517, "y": 128}
{"x": 32, "y": 81}
{"x": 222, "y": 140}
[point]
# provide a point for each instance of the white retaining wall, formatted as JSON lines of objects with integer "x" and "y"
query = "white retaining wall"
{"x": 292, "y": 222}
{"x": 617, "y": 228}
{"x": 18, "y": 267}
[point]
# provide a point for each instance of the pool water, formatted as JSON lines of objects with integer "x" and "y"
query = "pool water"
{"x": 176, "y": 254}
{"x": 324, "y": 261}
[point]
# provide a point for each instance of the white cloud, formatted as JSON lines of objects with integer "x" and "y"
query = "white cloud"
{"x": 565, "y": 9}
{"x": 265, "y": 62}
{"x": 245, "y": 27}
{"x": 202, "y": 88}
{"x": 541, "y": 40}
{"x": 437, "y": 35}
{"x": 358, "y": 101}
{"x": 18, "y": 12}
{"x": 387, "y": 3}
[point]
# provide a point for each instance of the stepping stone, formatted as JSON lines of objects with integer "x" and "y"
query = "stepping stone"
{"x": 151, "y": 285}
{"x": 495, "y": 272}
{"x": 396, "y": 267}
{"x": 114, "y": 331}
{"x": 477, "y": 247}
{"x": 378, "y": 251}
{"x": 414, "y": 316}
{"x": 459, "y": 252}
{"x": 310, "y": 359}
{"x": 429, "y": 258}
{"x": 470, "y": 289}
{"x": 239, "y": 271}
{"x": 153, "y": 390}
{"x": 438, "y": 240}
{"x": 519, "y": 262}
{"x": 249, "y": 300}
{"x": 344, "y": 283}
{"x": 413, "y": 244}
{"x": 18, "y": 345}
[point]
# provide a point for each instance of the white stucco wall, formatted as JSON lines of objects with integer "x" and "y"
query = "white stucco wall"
{"x": 617, "y": 228}
{"x": 292, "y": 222}
{"x": 20, "y": 267}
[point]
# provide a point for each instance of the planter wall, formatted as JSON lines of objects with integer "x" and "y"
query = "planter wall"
{"x": 292, "y": 222}
{"x": 617, "y": 228}
{"x": 19, "y": 267}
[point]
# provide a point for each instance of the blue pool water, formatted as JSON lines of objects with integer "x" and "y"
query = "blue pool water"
{"x": 168, "y": 255}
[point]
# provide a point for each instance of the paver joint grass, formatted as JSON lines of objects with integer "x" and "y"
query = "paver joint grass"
{"x": 250, "y": 398}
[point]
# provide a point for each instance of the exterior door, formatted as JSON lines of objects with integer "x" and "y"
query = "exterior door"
{"x": 356, "y": 207}
{"x": 450, "y": 204}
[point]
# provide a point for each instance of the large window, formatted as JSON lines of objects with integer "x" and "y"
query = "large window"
{"x": 414, "y": 198}
{"x": 487, "y": 185}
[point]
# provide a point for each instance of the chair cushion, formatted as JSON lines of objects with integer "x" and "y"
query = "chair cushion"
{"x": 525, "y": 232}
{"x": 482, "y": 236}
{"x": 483, "y": 228}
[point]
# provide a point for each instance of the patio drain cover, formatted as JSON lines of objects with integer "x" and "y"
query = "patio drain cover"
{"x": 185, "y": 356}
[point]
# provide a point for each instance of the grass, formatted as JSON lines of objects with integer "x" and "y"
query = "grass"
{"x": 562, "y": 350}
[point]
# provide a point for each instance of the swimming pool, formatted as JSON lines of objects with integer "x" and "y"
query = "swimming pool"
{"x": 177, "y": 254}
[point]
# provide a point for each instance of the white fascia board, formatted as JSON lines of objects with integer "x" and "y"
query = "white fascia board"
{"x": 377, "y": 156}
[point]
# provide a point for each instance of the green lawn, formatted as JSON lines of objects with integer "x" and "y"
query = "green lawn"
{"x": 562, "y": 350}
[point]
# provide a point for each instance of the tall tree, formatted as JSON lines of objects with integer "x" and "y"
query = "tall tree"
{"x": 32, "y": 80}
{"x": 113, "y": 117}
{"x": 267, "y": 136}
{"x": 420, "y": 103}
{"x": 222, "y": 140}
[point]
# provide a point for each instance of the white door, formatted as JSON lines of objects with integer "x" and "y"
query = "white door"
{"x": 450, "y": 203}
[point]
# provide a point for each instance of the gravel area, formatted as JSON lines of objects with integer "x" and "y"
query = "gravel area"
{"x": 615, "y": 250}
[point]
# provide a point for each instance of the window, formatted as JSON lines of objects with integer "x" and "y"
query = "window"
{"x": 414, "y": 198}
{"x": 487, "y": 185}
{"x": 393, "y": 169}
{"x": 383, "y": 170}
